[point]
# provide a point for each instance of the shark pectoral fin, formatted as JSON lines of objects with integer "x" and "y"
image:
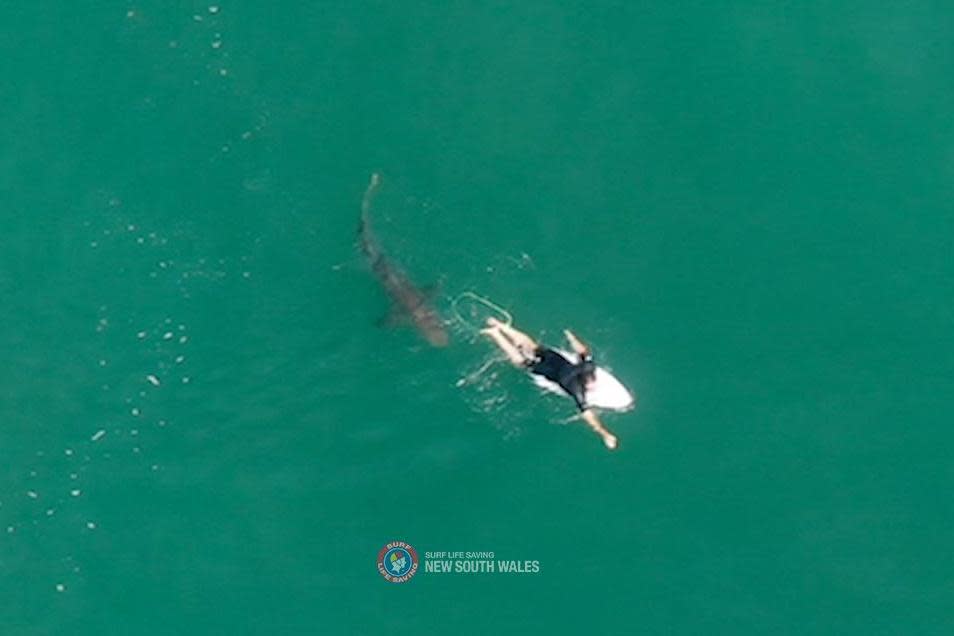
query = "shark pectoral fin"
{"x": 397, "y": 317}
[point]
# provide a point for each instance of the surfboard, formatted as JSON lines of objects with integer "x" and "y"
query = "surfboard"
{"x": 605, "y": 391}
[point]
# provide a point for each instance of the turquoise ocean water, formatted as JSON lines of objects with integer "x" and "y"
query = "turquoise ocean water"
{"x": 745, "y": 208}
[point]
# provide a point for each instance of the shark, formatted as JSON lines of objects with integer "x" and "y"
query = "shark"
{"x": 410, "y": 302}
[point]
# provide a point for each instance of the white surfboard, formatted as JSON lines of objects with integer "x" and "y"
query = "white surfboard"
{"x": 604, "y": 391}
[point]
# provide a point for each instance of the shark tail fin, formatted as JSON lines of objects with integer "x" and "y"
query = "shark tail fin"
{"x": 364, "y": 226}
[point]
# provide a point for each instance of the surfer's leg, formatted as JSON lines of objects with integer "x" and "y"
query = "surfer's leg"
{"x": 520, "y": 339}
{"x": 514, "y": 354}
{"x": 609, "y": 440}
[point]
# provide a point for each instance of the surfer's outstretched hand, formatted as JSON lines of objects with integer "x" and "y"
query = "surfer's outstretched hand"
{"x": 609, "y": 440}
{"x": 575, "y": 342}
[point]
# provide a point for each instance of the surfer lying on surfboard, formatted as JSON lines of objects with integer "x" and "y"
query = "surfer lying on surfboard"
{"x": 574, "y": 375}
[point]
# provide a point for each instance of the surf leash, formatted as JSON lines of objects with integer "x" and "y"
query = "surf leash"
{"x": 502, "y": 314}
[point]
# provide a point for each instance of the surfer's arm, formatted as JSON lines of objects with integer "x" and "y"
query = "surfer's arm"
{"x": 590, "y": 417}
{"x": 580, "y": 348}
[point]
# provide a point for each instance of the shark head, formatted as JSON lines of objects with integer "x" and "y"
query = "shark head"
{"x": 431, "y": 326}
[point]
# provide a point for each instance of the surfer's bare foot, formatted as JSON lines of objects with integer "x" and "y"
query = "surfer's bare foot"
{"x": 491, "y": 328}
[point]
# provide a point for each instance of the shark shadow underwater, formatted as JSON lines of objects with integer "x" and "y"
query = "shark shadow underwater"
{"x": 410, "y": 303}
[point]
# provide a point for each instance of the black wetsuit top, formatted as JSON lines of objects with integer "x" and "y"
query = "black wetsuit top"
{"x": 572, "y": 378}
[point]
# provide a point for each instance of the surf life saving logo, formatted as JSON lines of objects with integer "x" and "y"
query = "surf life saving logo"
{"x": 397, "y": 562}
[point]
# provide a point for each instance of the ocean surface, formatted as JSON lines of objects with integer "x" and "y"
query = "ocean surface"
{"x": 747, "y": 209}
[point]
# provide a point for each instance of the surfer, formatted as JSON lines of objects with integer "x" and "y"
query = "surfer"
{"x": 571, "y": 377}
